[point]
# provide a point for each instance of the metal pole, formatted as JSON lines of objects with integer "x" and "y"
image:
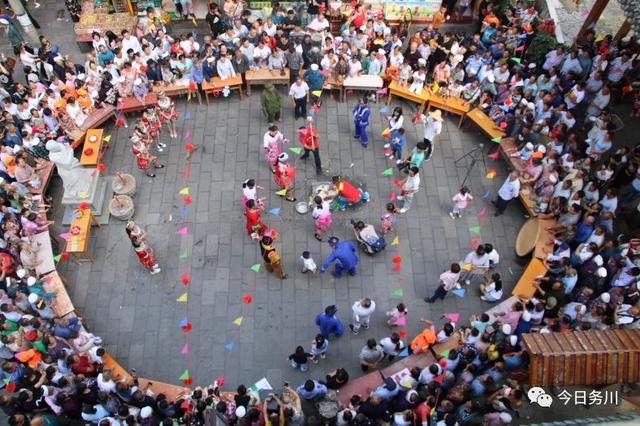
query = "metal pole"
{"x": 27, "y": 26}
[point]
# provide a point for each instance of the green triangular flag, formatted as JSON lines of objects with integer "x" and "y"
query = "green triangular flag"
{"x": 6, "y": 381}
{"x": 256, "y": 267}
{"x": 56, "y": 258}
{"x": 474, "y": 229}
{"x": 497, "y": 139}
{"x": 184, "y": 254}
{"x": 398, "y": 292}
{"x": 445, "y": 353}
{"x": 295, "y": 150}
{"x": 184, "y": 376}
{"x": 387, "y": 172}
{"x": 40, "y": 347}
{"x": 516, "y": 60}
{"x": 183, "y": 298}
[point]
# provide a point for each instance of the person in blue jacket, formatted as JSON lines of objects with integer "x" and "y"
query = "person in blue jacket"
{"x": 361, "y": 114}
{"x": 329, "y": 323}
{"x": 344, "y": 253}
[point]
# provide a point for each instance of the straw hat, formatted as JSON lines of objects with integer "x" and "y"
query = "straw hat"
{"x": 436, "y": 115}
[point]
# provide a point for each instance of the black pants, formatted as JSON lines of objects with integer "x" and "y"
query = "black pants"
{"x": 301, "y": 107}
{"x": 440, "y": 293}
{"x": 428, "y": 150}
{"x": 316, "y": 158}
{"x": 501, "y": 204}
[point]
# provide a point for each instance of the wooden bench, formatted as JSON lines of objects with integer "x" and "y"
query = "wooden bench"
{"x": 457, "y": 106}
{"x": 61, "y": 304}
{"x": 132, "y": 104}
{"x": 45, "y": 172}
{"x": 216, "y": 83}
{"x": 486, "y": 124}
{"x": 403, "y": 92}
{"x": 524, "y": 287}
{"x": 332, "y": 83}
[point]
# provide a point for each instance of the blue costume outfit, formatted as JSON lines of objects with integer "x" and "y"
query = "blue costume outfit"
{"x": 329, "y": 324}
{"x": 361, "y": 121}
{"x": 344, "y": 253}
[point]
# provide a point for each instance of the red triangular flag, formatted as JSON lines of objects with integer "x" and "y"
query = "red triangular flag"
{"x": 474, "y": 244}
{"x": 397, "y": 267}
{"x": 494, "y": 155}
{"x": 393, "y": 196}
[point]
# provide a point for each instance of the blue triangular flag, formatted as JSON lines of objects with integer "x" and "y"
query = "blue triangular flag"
{"x": 458, "y": 292}
{"x": 485, "y": 196}
{"x": 404, "y": 352}
{"x": 383, "y": 110}
{"x": 310, "y": 112}
{"x": 183, "y": 212}
{"x": 187, "y": 115}
{"x": 183, "y": 322}
{"x": 229, "y": 346}
{"x": 275, "y": 211}
{"x": 504, "y": 108}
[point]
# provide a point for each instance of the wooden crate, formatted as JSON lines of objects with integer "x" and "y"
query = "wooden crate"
{"x": 584, "y": 358}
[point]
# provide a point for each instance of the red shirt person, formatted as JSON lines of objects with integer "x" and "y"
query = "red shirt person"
{"x": 308, "y": 137}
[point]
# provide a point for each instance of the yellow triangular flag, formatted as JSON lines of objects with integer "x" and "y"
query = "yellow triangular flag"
{"x": 238, "y": 321}
{"x": 282, "y": 192}
{"x": 395, "y": 241}
{"x": 317, "y": 93}
{"x": 184, "y": 191}
{"x": 183, "y": 298}
{"x": 107, "y": 138}
{"x": 466, "y": 267}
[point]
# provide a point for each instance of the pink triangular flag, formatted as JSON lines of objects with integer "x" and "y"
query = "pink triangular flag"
{"x": 64, "y": 236}
{"x": 402, "y": 321}
{"x": 183, "y": 231}
{"x": 473, "y": 245}
{"x": 483, "y": 212}
{"x": 452, "y": 316}
{"x": 393, "y": 196}
{"x": 521, "y": 48}
{"x": 187, "y": 134}
{"x": 185, "y": 349}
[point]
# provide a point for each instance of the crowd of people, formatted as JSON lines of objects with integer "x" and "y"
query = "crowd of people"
{"x": 556, "y": 114}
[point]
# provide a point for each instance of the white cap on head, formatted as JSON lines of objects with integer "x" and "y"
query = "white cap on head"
{"x": 31, "y": 281}
{"x": 240, "y": 412}
{"x": 21, "y": 273}
{"x": 314, "y": 67}
{"x": 33, "y": 298}
{"x": 513, "y": 340}
{"x": 529, "y": 146}
{"x": 605, "y": 297}
{"x": 598, "y": 260}
{"x": 506, "y": 328}
{"x": 283, "y": 157}
{"x": 146, "y": 412}
{"x": 602, "y": 272}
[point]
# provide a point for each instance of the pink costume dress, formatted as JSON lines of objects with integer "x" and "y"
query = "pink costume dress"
{"x": 272, "y": 147}
{"x": 322, "y": 217}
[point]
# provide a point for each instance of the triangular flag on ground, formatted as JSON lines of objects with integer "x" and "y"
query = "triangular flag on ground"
{"x": 229, "y": 346}
{"x": 238, "y": 321}
{"x": 185, "y": 349}
{"x": 282, "y": 192}
{"x": 486, "y": 194}
{"x": 184, "y": 376}
{"x": 399, "y": 292}
{"x": 387, "y": 172}
{"x": 473, "y": 245}
{"x": 183, "y": 231}
{"x": 184, "y": 297}
{"x": 256, "y": 267}
{"x": 247, "y": 298}
{"x": 383, "y": 110}
{"x": 183, "y": 322}
{"x": 483, "y": 212}
{"x": 395, "y": 241}
{"x": 187, "y": 115}
{"x": 404, "y": 352}
{"x": 491, "y": 174}
{"x": 494, "y": 155}
{"x": 296, "y": 150}
{"x": 184, "y": 191}
{"x": 393, "y": 196}
{"x": 516, "y": 60}
{"x": 106, "y": 138}
{"x": 187, "y": 134}
{"x": 458, "y": 292}
{"x": 184, "y": 254}
{"x": 445, "y": 353}
{"x": 402, "y": 321}
{"x": 497, "y": 139}
{"x": 453, "y": 316}
{"x": 317, "y": 93}
{"x": 474, "y": 229}
{"x": 275, "y": 211}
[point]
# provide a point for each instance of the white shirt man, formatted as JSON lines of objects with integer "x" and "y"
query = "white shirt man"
{"x": 130, "y": 42}
{"x": 508, "y": 191}
{"x": 432, "y": 127}
{"x": 299, "y": 89}
{"x": 225, "y": 68}
{"x": 355, "y": 67}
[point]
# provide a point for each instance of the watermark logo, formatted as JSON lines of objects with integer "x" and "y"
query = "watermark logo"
{"x": 539, "y": 396}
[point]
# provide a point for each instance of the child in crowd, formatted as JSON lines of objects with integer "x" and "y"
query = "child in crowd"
{"x": 405, "y": 73}
{"x": 419, "y": 77}
{"x": 398, "y": 139}
{"x": 460, "y": 202}
{"x": 388, "y": 219}
{"x": 250, "y": 192}
{"x": 400, "y": 311}
{"x": 308, "y": 264}
{"x": 319, "y": 346}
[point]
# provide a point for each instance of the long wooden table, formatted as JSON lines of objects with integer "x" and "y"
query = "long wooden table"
{"x": 454, "y": 105}
{"x": 132, "y": 104}
{"x": 216, "y": 83}
{"x": 485, "y": 123}
{"x": 524, "y": 287}
{"x": 363, "y": 82}
{"x": 79, "y": 244}
{"x": 403, "y": 92}
{"x": 265, "y": 76}
{"x": 93, "y": 142}
{"x": 181, "y": 88}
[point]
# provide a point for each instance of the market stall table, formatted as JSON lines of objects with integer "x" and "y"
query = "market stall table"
{"x": 216, "y": 83}
{"x": 451, "y": 104}
{"x": 363, "y": 82}
{"x": 78, "y": 241}
{"x": 395, "y": 89}
{"x": 265, "y": 76}
{"x": 487, "y": 125}
{"x": 92, "y": 147}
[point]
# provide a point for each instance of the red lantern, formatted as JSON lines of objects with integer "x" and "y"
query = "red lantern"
{"x": 247, "y": 299}
{"x": 186, "y": 328}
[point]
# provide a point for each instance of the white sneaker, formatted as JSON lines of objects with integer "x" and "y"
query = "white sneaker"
{"x": 404, "y": 210}
{"x": 451, "y": 215}
{"x": 155, "y": 271}
{"x": 399, "y": 197}
{"x": 399, "y": 161}
{"x": 467, "y": 282}
{"x": 164, "y": 145}
{"x": 160, "y": 149}
{"x": 387, "y": 145}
